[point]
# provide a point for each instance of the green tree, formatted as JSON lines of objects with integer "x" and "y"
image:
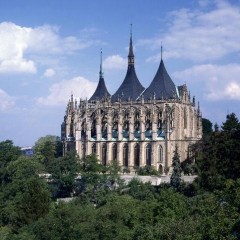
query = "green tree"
{"x": 175, "y": 179}
{"x": 8, "y": 154}
{"x": 25, "y": 196}
{"x": 218, "y": 158}
{"x": 231, "y": 124}
{"x": 47, "y": 148}
{"x": 207, "y": 126}
{"x": 64, "y": 171}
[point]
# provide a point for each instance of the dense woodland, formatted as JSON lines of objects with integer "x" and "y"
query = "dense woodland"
{"x": 103, "y": 207}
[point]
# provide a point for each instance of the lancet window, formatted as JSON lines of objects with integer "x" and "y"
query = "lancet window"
{"x": 160, "y": 154}
{"x": 94, "y": 149}
{"x": 93, "y": 126}
{"x": 136, "y": 155}
{"x": 104, "y": 154}
{"x": 148, "y": 155}
{"x": 125, "y": 155}
{"x": 104, "y": 126}
{"x": 114, "y": 151}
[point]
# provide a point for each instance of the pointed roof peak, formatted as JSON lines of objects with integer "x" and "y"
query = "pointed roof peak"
{"x": 131, "y": 54}
{"x": 101, "y": 72}
{"x": 161, "y": 50}
{"x": 101, "y": 90}
{"x": 131, "y": 88}
{"x": 162, "y": 84}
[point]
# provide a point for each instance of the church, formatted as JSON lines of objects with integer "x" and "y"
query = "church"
{"x": 136, "y": 126}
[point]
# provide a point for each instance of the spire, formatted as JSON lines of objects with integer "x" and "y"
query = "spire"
{"x": 130, "y": 54}
{"x": 161, "y": 50}
{"x": 130, "y": 88}
{"x": 101, "y": 72}
{"x": 101, "y": 90}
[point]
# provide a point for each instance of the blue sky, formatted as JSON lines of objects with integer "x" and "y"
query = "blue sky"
{"x": 49, "y": 49}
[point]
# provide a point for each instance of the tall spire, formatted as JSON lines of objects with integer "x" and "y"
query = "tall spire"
{"x": 101, "y": 72}
{"x": 130, "y": 88}
{"x": 161, "y": 50}
{"x": 130, "y": 54}
{"x": 101, "y": 90}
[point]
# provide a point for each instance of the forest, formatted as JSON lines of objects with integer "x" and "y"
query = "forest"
{"x": 104, "y": 207}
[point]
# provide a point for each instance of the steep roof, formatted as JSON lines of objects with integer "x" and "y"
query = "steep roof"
{"x": 130, "y": 88}
{"x": 101, "y": 90}
{"x": 161, "y": 86}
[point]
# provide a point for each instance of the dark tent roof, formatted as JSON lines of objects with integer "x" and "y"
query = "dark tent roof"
{"x": 131, "y": 88}
{"x": 101, "y": 91}
{"x": 161, "y": 86}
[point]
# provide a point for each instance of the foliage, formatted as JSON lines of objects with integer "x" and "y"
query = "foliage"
{"x": 147, "y": 170}
{"x": 104, "y": 209}
{"x": 175, "y": 180}
{"x": 24, "y": 196}
{"x": 47, "y": 148}
{"x": 218, "y": 158}
{"x": 64, "y": 171}
{"x": 206, "y": 126}
{"x": 8, "y": 154}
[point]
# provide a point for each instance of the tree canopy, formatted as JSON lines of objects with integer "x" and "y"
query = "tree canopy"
{"x": 105, "y": 208}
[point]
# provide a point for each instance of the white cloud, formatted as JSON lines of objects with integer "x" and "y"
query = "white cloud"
{"x": 200, "y": 35}
{"x": 216, "y": 82}
{"x": 5, "y": 100}
{"x": 115, "y": 62}
{"x": 60, "y": 92}
{"x": 49, "y": 73}
{"x": 18, "y": 45}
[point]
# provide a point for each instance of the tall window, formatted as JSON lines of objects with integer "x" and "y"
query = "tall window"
{"x": 185, "y": 118}
{"x": 114, "y": 151}
{"x": 136, "y": 155}
{"x": 104, "y": 154}
{"x": 148, "y": 155}
{"x": 94, "y": 149}
{"x": 160, "y": 154}
{"x": 125, "y": 155}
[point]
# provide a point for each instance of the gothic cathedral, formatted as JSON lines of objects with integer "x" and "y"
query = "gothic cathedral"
{"x": 135, "y": 126}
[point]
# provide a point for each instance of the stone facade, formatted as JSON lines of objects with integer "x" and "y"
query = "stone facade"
{"x": 135, "y": 131}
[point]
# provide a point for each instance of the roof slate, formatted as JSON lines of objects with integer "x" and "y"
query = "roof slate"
{"x": 161, "y": 86}
{"x": 101, "y": 90}
{"x": 131, "y": 88}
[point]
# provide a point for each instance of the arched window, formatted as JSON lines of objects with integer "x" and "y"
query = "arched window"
{"x": 94, "y": 149}
{"x": 104, "y": 154}
{"x": 160, "y": 154}
{"x": 93, "y": 129}
{"x": 185, "y": 118}
{"x": 125, "y": 155}
{"x": 114, "y": 151}
{"x": 148, "y": 155}
{"x": 136, "y": 155}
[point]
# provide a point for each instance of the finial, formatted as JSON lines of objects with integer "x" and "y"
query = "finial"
{"x": 130, "y": 54}
{"x": 131, "y": 29}
{"x": 161, "y": 50}
{"x": 100, "y": 72}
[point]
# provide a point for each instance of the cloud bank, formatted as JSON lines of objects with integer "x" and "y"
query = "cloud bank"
{"x": 18, "y": 45}
{"x": 60, "y": 92}
{"x": 199, "y": 35}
